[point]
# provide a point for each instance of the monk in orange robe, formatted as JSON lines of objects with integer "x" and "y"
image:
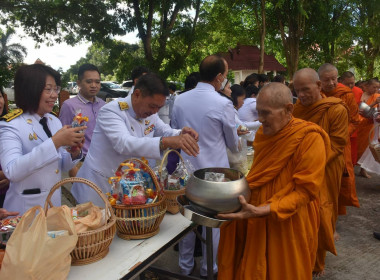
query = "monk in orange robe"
{"x": 372, "y": 99}
{"x": 332, "y": 115}
{"x": 348, "y": 80}
{"x": 275, "y": 235}
{"x": 328, "y": 75}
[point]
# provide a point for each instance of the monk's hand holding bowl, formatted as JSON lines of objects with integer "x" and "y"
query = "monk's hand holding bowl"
{"x": 247, "y": 211}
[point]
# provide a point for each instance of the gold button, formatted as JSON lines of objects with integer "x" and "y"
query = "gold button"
{"x": 57, "y": 171}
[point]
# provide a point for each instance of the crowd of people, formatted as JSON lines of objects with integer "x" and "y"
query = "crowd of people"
{"x": 297, "y": 193}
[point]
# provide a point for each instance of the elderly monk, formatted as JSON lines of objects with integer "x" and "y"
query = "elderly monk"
{"x": 328, "y": 75}
{"x": 332, "y": 115}
{"x": 372, "y": 98}
{"x": 348, "y": 80}
{"x": 275, "y": 235}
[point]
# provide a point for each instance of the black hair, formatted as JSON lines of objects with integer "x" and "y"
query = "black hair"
{"x": 5, "y": 111}
{"x": 236, "y": 91}
{"x": 250, "y": 80}
{"x": 263, "y": 78}
{"x": 251, "y": 89}
{"x": 192, "y": 80}
{"x": 211, "y": 66}
{"x": 151, "y": 84}
{"x": 279, "y": 79}
{"x": 86, "y": 67}
{"x": 30, "y": 81}
{"x": 172, "y": 86}
{"x": 138, "y": 71}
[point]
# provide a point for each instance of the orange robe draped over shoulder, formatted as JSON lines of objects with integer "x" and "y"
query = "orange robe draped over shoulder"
{"x": 332, "y": 115}
{"x": 365, "y": 127}
{"x": 347, "y": 195}
{"x": 287, "y": 173}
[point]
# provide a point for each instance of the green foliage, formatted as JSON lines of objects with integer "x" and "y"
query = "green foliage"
{"x": 11, "y": 55}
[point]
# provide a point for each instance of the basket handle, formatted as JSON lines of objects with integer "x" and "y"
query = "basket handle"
{"x": 109, "y": 211}
{"x": 150, "y": 171}
{"x": 164, "y": 158}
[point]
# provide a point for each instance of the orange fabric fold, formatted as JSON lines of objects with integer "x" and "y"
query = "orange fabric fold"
{"x": 347, "y": 195}
{"x": 332, "y": 115}
{"x": 287, "y": 173}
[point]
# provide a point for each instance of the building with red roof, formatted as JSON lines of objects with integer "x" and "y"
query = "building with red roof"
{"x": 244, "y": 60}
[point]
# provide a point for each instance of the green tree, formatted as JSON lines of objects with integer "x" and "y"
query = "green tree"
{"x": 98, "y": 21}
{"x": 11, "y": 55}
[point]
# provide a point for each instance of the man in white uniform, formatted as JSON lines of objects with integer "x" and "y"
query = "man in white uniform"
{"x": 129, "y": 127}
{"x": 212, "y": 115}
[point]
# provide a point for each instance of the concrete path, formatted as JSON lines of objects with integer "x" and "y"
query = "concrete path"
{"x": 358, "y": 251}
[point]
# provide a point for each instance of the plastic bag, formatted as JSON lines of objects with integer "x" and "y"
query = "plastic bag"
{"x": 32, "y": 254}
{"x": 89, "y": 217}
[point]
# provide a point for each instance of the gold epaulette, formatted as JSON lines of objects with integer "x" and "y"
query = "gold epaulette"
{"x": 54, "y": 114}
{"x": 123, "y": 105}
{"x": 12, "y": 115}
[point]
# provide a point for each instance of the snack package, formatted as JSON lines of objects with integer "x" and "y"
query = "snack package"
{"x": 215, "y": 177}
{"x": 58, "y": 233}
{"x": 178, "y": 179}
{"x": 78, "y": 121}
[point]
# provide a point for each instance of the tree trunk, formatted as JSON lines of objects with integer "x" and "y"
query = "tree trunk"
{"x": 262, "y": 37}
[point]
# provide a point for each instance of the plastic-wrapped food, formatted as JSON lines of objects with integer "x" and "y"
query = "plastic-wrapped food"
{"x": 78, "y": 121}
{"x": 214, "y": 176}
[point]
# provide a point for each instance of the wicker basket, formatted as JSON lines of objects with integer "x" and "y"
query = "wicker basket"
{"x": 374, "y": 148}
{"x": 92, "y": 245}
{"x": 171, "y": 195}
{"x": 140, "y": 221}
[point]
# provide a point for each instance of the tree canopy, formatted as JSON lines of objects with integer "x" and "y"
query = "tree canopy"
{"x": 176, "y": 35}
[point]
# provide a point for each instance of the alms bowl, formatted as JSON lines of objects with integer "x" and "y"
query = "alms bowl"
{"x": 217, "y": 197}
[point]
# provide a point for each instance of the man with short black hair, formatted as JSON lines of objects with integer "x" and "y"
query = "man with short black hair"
{"x": 86, "y": 102}
{"x": 213, "y": 116}
{"x": 130, "y": 128}
{"x": 137, "y": 72}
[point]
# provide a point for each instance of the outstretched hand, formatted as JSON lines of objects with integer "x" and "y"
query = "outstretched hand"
{"x": 192, "y": 132}
{"x": 247, "y": 211}
{"x": 5, "y": 213}
{"x": 185, "y": 142}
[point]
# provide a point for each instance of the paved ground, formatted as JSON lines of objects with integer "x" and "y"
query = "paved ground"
{"x": 358, "y": 252}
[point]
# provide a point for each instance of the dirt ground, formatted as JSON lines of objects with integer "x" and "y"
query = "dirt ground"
{"x": 358, "y": 251}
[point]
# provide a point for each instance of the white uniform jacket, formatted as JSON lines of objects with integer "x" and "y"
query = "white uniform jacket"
{"x": 30, "y": 161}
{"x": 213, "y": 117}
{"x": 118, "y": 136}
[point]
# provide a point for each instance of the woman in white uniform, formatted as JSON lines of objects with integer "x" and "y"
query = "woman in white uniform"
{"x": 32, "y": 141}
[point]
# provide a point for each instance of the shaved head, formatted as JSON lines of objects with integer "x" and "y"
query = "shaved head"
{"x": 307, "y": 86}
{"x": 274, "y": 105}
{"x": 348, "y": 79}
{"x": 327, "y": 67}
{"x": 328, "y": 75}
{"x": 277, "y": 94}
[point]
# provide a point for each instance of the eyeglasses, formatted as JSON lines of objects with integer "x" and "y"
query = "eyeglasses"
{"x": 56, "y": 90}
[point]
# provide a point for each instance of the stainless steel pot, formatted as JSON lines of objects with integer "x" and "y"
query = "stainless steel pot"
{"x": 366, "y": 110}
{"x": 217, "y": 197}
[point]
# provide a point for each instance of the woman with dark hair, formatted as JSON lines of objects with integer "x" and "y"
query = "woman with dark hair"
{"x": 239, "y": 160}
{"x": 33, "y": 141}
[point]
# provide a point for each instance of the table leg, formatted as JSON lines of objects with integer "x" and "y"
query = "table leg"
{"x": 209, "y": 247}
